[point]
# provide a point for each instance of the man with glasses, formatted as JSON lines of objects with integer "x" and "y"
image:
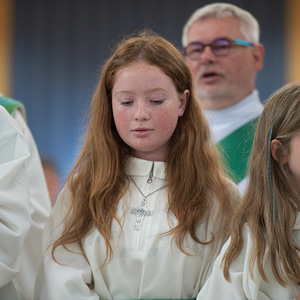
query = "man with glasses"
{"x": 222, "y": 49}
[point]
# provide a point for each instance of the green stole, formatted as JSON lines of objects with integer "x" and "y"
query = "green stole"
{"x": 11, "y": 105}
{"x": 235, "y": 150}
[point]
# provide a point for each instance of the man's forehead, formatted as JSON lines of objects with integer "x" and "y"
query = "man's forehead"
{"x": 209, "y": 29}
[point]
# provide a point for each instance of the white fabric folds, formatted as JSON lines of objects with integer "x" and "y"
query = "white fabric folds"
{"x": 15, "y": 218}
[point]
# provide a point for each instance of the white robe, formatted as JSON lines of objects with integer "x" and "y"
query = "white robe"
{"x": 145, "y": 264}
{"x": 242, "y": 286}
{"x": 14, "y": 204}
{"x": 225, "y": 121}
{"x": 40, "y": 208}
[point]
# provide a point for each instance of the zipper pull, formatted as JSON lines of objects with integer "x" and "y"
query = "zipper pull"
{"x": 151, "y": 174}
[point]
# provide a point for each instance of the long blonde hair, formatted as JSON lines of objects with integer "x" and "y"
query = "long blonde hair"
{"x": 98, "y": 179}
{"x": 271, "y": 202}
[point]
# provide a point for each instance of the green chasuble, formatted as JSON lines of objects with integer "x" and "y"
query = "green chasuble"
{"x": 235, "y": 150}
{"x": 11, "y": 105}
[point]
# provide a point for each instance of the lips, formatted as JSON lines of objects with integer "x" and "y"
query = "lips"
{"x": 141, "y": 131}
{"x": 209, "y": 76}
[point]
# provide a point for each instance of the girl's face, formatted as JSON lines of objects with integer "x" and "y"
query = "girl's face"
{"x": 146, "y": 108}
{"x": 293, "y": 159}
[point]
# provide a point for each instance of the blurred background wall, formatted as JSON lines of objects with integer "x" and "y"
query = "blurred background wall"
{"x": 52, "y": 51}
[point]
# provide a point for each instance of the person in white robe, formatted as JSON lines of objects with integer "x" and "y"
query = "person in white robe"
{"x": 261, "y": 260}
{"x": 242, "y": 285}
{"x": 145, "y": 265}
{"x": 15, "y": 220}
{"x": 40, "y": 204}
{"x": 144, "y": 211}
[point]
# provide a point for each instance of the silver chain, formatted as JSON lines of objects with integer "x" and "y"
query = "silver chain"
{"x": 145, "y": 196}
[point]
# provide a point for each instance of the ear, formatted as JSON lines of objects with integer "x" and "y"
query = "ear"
{"x": 275, "y": 148}
{"x": 258, "y": 52}
{"x": 183, "y": 102}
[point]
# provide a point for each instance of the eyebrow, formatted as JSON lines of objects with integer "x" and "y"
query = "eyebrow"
{"x": 148, "y": 91}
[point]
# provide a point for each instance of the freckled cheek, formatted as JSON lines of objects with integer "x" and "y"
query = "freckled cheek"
{"x": 121, "y": 121}
{"x": 167, "y": 122}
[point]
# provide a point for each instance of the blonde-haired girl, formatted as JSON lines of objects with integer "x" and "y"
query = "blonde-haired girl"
{"x": 261, "y": 259}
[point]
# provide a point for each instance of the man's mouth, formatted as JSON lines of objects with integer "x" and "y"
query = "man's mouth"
{"x": 209, "y": 74}
{"x": 209, "y": 77}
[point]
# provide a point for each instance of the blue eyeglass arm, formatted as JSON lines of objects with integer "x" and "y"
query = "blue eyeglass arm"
{"x": 243, "y": 43}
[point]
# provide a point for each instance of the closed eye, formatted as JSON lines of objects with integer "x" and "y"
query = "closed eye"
{"x": 157, "y": 101}
{"x": 126, "y": 103}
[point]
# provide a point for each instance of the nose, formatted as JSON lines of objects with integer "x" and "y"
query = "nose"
{"x": 207, "y": 55}
{"x": 141, "y": 111}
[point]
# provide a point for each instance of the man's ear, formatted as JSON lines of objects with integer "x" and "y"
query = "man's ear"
{"x": 258, "y": 54}
{"x": 275, "y": 149}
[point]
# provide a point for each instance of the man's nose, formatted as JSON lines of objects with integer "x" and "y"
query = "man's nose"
{"x": 207, "y": 55}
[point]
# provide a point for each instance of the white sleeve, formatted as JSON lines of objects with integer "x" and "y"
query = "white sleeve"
{"x": 39, "y": 195}
{"x": 40, "y": 208}
{"x": 217, "y": 287}
{"x": 14, "y": 198}
{"x": 242, "y": 284}
{"x": 71, "y": 276}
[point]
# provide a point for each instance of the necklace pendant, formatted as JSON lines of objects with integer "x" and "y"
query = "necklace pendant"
{"x": 140, "y": 213}
{"x": 143, "y": 211}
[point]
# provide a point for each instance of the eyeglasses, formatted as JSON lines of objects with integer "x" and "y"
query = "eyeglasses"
{"x": 219, "y": 47}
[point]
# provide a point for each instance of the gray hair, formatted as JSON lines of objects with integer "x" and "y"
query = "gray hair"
{"x": 249, "y": 26}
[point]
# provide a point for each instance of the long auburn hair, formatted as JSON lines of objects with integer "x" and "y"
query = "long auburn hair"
{"x": 98, "y": 179}
{"x": 271, "y": 202}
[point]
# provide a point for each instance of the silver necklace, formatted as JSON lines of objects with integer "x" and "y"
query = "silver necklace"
{"x": 143, "y": 211}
